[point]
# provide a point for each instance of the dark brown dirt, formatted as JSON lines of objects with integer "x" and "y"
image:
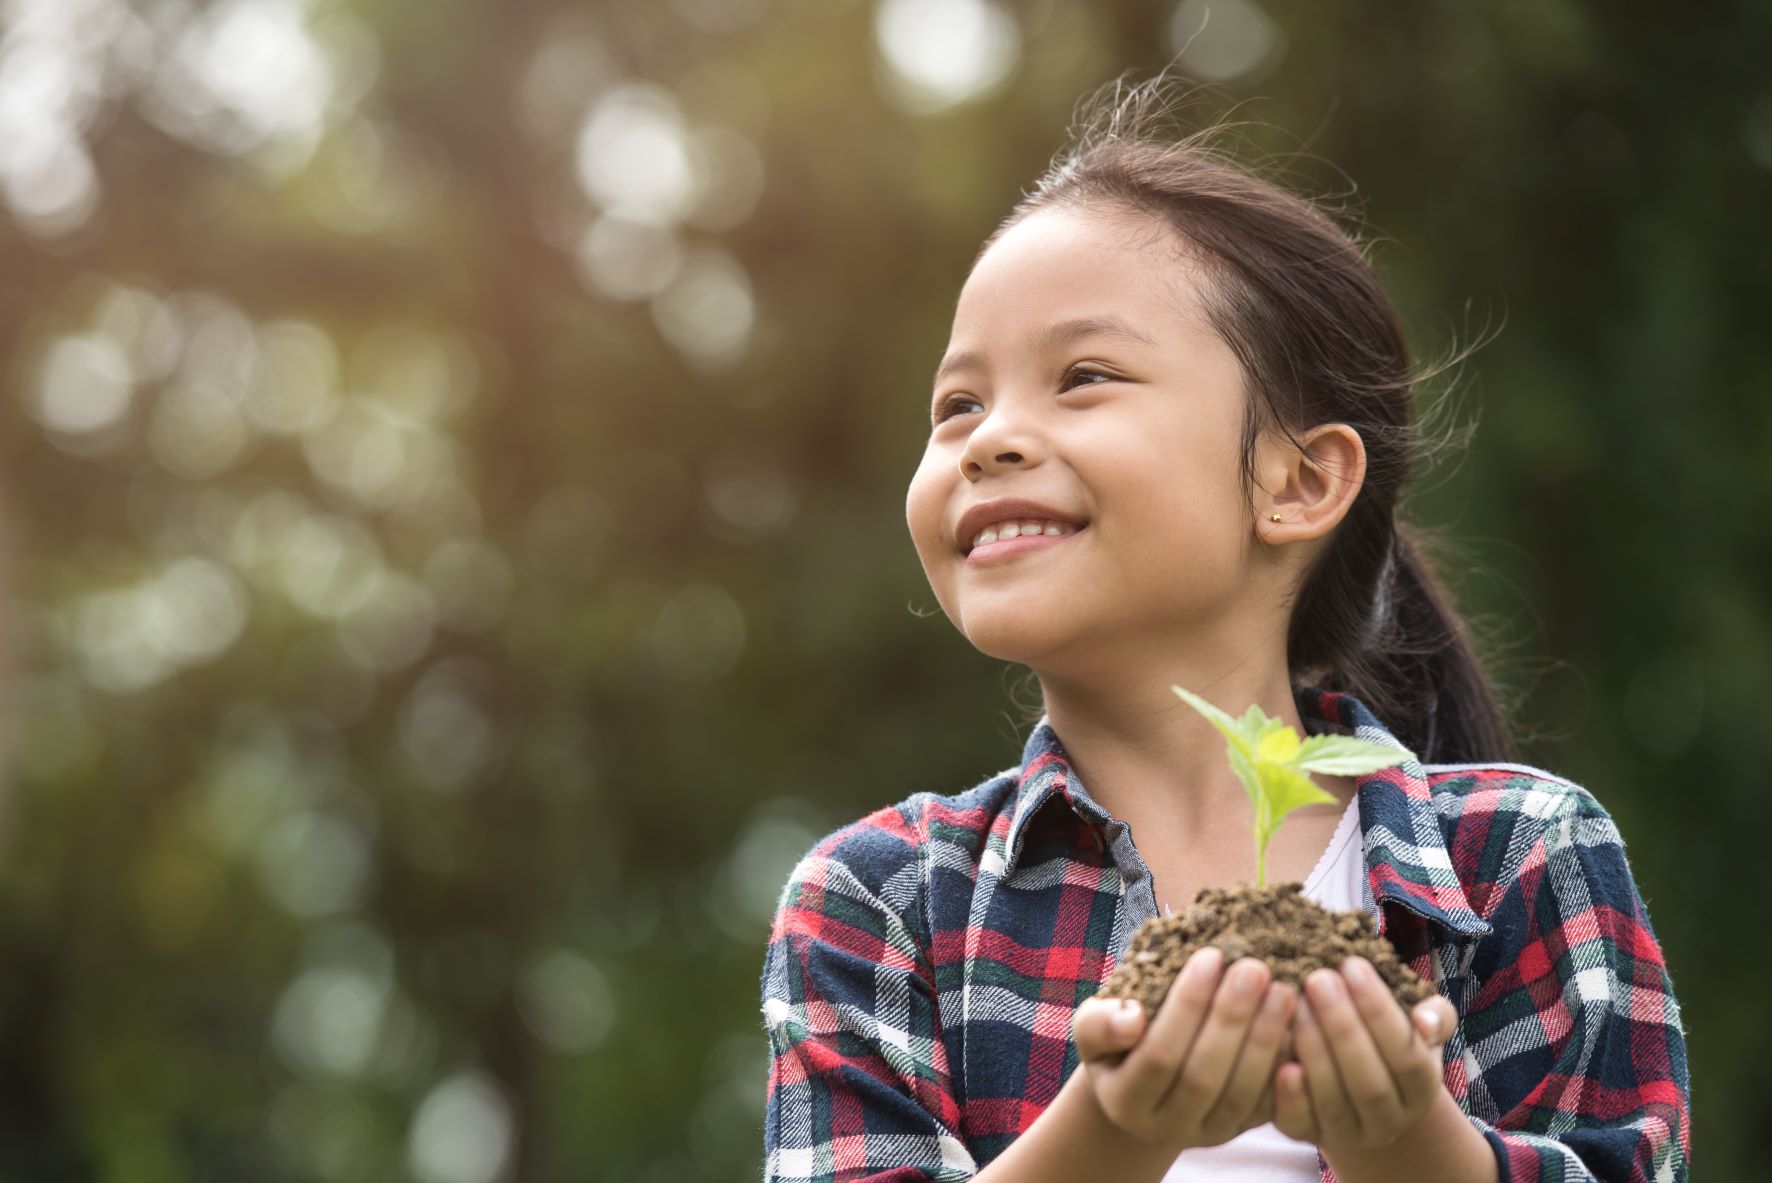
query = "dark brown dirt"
{"x": 1294, "y": 935}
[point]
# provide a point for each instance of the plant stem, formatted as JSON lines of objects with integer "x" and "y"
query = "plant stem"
{"x": 1260, "y": 862}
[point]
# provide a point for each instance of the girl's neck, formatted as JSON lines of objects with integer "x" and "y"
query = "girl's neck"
{"x": 1143, "y": 753}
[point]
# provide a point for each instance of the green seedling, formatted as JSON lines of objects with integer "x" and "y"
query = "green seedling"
{"x": 1274, "y": 765}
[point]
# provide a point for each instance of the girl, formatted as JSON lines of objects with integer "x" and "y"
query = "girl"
{"x": 1167, "y": 442}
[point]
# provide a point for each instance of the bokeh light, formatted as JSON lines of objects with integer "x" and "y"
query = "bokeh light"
{"x": 453, "y": 525}
{"x": 462, "y": 1133}
{"x": 1220, "y": 40}
{"x": 939, "y": 53}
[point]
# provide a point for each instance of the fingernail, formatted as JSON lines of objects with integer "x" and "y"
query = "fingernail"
{"x": 1125, "y": 1016}
{"x": 1359, "y": 971}
{"x": 1203, "y": 961}
{"x": 1431, "y": 1021}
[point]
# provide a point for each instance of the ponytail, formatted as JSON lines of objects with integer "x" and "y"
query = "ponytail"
{"x": 1410, "y": 657}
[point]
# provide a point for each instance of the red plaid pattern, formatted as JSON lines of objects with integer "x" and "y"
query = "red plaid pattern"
{"x": 925, "y": 961}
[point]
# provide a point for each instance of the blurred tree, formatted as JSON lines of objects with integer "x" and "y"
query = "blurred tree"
{"x": 457, "y": 456}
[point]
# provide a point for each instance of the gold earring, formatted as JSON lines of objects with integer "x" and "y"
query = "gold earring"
{"x": 1276, "y": 517}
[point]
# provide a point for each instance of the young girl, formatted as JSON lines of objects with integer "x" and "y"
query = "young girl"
{"x": 1167, "y": 444}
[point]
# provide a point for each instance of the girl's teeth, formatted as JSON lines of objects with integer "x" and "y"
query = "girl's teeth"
{"x": 1008, "y": 530}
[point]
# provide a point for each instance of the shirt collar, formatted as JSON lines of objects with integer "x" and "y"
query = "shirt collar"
{"x": 1405, "y": 852}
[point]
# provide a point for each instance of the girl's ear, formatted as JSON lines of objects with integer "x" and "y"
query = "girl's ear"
{"x": 1311, "y": 490}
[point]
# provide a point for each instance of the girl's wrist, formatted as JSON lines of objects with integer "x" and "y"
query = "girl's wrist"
{"x": 1131, "y": 1155}
{"x": 1075, "y": 1139}
{"x": 1444, "y": 1138}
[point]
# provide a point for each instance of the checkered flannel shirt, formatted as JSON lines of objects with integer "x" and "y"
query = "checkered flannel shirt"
{"x": 924, "y": 963}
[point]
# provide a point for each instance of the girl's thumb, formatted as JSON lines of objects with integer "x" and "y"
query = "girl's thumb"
{"x": 1432, "y": 1021}
{"x": 1108, "y": 1025}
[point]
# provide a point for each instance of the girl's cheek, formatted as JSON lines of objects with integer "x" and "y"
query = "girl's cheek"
{"x": 926, "y": 539}
{"x": 923, "y": 507}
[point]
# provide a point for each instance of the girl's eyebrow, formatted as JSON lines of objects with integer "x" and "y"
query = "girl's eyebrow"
{"x": 1059, "y": 333}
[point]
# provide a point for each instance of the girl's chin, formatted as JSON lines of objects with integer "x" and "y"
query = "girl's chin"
{"x": 1016, "y": 638}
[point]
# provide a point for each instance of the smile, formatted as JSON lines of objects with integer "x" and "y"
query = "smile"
{"x": 1016, "y": 528}
{"x": 1004, "y": 549}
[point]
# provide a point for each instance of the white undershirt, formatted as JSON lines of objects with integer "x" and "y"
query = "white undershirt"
{"x": 1263, "y": 1154}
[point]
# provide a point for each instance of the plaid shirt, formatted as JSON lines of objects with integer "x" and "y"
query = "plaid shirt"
{"x": 924, "y": 963}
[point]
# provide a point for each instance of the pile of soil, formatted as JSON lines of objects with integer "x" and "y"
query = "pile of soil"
{"x": 1276, "y": 923}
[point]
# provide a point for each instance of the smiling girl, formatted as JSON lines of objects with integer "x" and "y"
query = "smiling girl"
{"x": 1167, "y": 443}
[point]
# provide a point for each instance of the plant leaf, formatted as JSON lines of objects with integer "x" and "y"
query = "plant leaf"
{"x": 1286, "y": 789}
{"x": 1238, "y": 733}
{"x": 1244, "y": 767}
{"x": 1277, "y": 744}
{"x": 1343, "y": 755}
{"x": 1255, "y": 721}
{"x": 1274, "y": 764}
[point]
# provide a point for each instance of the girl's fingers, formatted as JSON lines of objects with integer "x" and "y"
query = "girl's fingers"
{"x": 1106, "y": 1028}
{"x": 1288, "y": 1052}
{"x": 1391, "y": 1031}
{"x": 1408, "y": 1042}
{"x": 1335, "y": 1116}
{"x": 1264, "y": 1107}
{"x": 1434, "y": 1020}
{"x": 1430, "y": 1025}
{"x": 1240, "y": 1104}
{"x": 1135, "y": 1088}
{"x": 1412, "y": 1058}
{"x": 1365, "y": 1076}
{"x": 1207, "y": 1064}
{"x": 1292, "y": 1104}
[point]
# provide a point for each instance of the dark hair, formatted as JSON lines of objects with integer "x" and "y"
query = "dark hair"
{"x": 1294, "y": 296}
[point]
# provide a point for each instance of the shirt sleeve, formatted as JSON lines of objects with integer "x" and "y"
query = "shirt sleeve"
{"x": 1576, "y": 1029}
{"x": 859, "y": 1087}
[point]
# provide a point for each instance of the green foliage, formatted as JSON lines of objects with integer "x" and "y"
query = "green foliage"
{"x": 1274, "y": 765}
{"x": 428, "y": 663}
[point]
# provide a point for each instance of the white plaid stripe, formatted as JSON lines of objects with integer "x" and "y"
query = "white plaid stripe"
{"x": 1531, "y": 824}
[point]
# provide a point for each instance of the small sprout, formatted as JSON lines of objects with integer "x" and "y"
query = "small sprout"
{"x": 1273, "y": 764}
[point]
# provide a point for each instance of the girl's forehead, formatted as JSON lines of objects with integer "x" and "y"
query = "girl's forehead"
{"x": 1064, "y": 230}
{"x": 1064, "y": 263}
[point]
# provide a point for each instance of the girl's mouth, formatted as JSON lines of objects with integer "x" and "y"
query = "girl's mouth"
{"x": 1005, "y": 550}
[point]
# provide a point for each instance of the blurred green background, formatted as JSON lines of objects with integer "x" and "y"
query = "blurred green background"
{"x": 455, "y": 456}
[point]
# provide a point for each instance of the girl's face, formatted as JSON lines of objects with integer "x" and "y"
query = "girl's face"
{"x": 1129, "y": 424}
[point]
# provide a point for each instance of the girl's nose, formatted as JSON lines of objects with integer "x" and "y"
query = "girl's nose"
{"x": 1001, "y": 441}
{"x": 977, "y": 468}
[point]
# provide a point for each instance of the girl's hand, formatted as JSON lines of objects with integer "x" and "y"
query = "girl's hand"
{"x": 1366, "y": 1072}
{"x": 1203, "y": 1072}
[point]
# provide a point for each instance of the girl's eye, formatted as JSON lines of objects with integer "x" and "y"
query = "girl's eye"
{"x": 1085, "y": 370}
{"x": 946, "y": 410}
